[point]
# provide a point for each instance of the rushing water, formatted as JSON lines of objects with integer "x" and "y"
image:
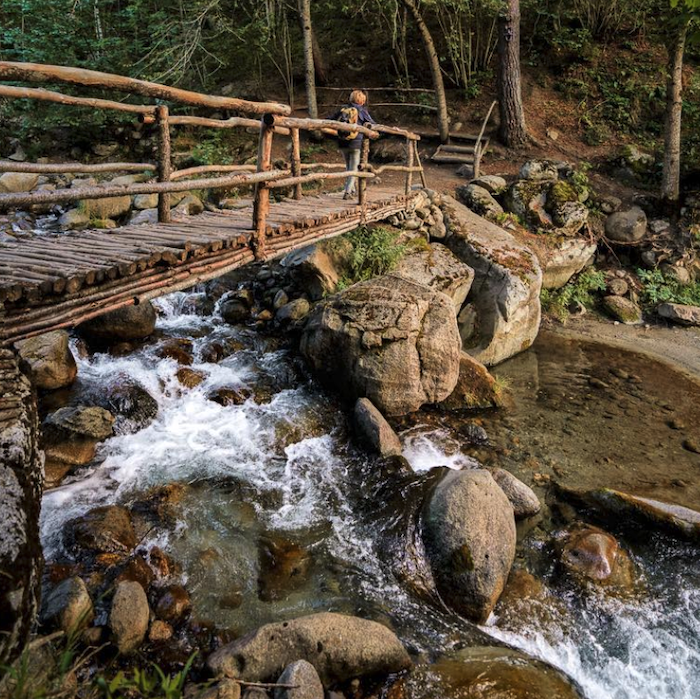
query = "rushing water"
{"x": 284, "y": 474}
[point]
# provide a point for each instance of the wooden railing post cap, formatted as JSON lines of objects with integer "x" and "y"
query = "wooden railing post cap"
{"x": 269, "y": 119}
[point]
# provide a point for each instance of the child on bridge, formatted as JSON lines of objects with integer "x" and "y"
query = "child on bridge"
{"x": 350, "y": 142}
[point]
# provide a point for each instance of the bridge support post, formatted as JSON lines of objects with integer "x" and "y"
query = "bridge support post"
{"x": 423, "y": 181}
{"x": 409, "y": 163}
{"x": 296, "y": 162}
{"x": 261, "y": 204}
{"x": 364, "y": 162}
{"x": 164, "y": 165}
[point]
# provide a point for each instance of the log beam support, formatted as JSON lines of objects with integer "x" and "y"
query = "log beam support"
{"x": 261, "y": 205}
{"x": 164, "y": 163}
{"x": 296, "y": 162}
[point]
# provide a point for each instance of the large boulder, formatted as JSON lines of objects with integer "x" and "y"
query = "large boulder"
{"x": 505, "y": 293}
{"x": 339, "y": 647}
{"x": 469, "y": 535}
{"x": 563, "y": 258}
{"x": 479, "y": 200}
{"x": 21, "y": 477}
{"x": 134, "y": 322}
{"x": 438, "y": 268}
{"x": 374, "y": 430}
{"x": 129, "y": 617}
{"x": 72, "y": 433}
{"x": 109, "y": 207}
{"x": 49, "y": 357}
{"x": 314, "y": 269}
{"x": 627, "y": 226}
{"x": 387, "y": 339}
{"x": 17, "y": 182}
{"x": 490, "y": 672}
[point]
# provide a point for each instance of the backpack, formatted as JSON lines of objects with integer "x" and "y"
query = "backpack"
{"x": 348, "y": 115}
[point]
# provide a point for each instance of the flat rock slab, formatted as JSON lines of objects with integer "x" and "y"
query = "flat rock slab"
{"x": 679, "y": 313}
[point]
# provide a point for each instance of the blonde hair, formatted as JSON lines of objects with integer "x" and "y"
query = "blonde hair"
{"x": 358, "y": 97}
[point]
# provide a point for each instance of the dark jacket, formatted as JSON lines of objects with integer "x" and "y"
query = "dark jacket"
{"x": 362, "y": 119}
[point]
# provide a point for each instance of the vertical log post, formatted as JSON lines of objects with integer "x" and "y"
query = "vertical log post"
{"x": 296, "y": 162}
{"x": 164, "y": 164}
{"x": 364, "y": 162}
{"x": 423, "y": 181}
{"x": 261, "y": 205}
{"x": 409, "y": 163}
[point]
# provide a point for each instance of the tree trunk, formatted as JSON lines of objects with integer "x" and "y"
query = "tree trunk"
{"x": 321, "y": 74}
{"x": 670, "y": 179}
{"x": 309, "y": 71}
{"x": 513, "y": 132}
{"x": 436, "y": 72}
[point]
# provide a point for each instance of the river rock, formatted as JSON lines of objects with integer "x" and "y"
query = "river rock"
{"x": 505, "y": 293}
{"x": 439, "y": 269}
{"x": 51, "y": 362}
{"x": 313, "y": 269}
{"x": 469, "y": 536}
{"x": 479, "y": 200}
{"x": 618, "y": 287}
{"x": 17, "y": 182}
{"x": 562, "y": 258}
{"x": 131, "y": 404}
{"x": 284, "y": 567}
{"x": 539, "y": 171}
{"x": 68, "y": 606}
{"x": 627, "y": 226}
{"x": 339, "y": 647}
{"x": 190, "y": 205}
{"x": 143, "y": 217}
{"x": 524, "y": 501}
{"x": 173, "y": 604}
{"x": 527, "y": 200}
{"x": 129, "y": 617}
{"x": 679, "y": 313}
{"x": 374, "y": 430}
{"x": 302, "y": 674}
{"x": 145, "y": 201}
{"x": 134, "y": 322}
{"x": 234, "y": 310}
{"x": 387, "y": 339}
{"x": 623, "y": 309}
{"x": 74, "y": 220}
{"x": 108, "y": 207}
{"x": 493, "y": 184}
{"x": 293, "y": 311}
{"x": 106, "y": 529}
{"x": 489, "y": 672}
{"x": 21, "y": 477}
{"x": 475, "y": 388}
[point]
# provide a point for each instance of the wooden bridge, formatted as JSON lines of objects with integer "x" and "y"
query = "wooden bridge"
{"x": 50, "y": 281}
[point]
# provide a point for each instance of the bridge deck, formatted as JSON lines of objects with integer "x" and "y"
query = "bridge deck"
{"x": 49, "y": 281}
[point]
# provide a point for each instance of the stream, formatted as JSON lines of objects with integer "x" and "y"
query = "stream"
{"x": 279, "y": 472}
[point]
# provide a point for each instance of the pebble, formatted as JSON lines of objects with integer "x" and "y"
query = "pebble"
{"x": 597, "y": 383}
{"x": 691, "y": 445}
{"x": 676, "y": 424}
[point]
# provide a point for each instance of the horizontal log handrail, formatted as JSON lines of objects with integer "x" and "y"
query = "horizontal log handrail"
{"x": 318, "y": 177}
{"x": 39, "y": 72}
{"x": 34, "y": 93}
{"x": 73, "y": 168}
{"x": 233, "y": 122}
{"x": 201, "y": 169}
{"x": 63, "y": 196}
{"x": 318, "y": 124}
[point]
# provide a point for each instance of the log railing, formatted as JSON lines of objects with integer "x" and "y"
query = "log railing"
{"x": 273, "y": 119}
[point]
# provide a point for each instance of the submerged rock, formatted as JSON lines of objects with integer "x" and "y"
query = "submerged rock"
{"x": 134, "y": 322}
{"x": 173, "y": 604}
{"x": 284, "y": 567}
{"x": 49, "y": 357}
{"x": 490, "y": 673}
{"x": 469, "y": 535}
{"x": 339, "y": 647}
{"x": 374, "y": 430}
{"x": 505, "y": 293}
{"x": 387, "y": 339}
{"x": 129, "y": 617}
{"x": 475, "y": 389}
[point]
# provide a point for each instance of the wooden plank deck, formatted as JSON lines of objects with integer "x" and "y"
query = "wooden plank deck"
{"x": 58, "y": 280}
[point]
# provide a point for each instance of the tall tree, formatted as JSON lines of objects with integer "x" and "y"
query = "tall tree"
{"x": 436, "y": 72}
{"x": 309, "y": 69}
{"x": 513, "y": 132}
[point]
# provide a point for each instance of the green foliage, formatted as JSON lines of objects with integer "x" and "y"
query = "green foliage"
{"x": 145, "y": 684}
{"x": 371, "y": 253}
{"x": 581, "y": 290}
{"x": 659, "y": 288}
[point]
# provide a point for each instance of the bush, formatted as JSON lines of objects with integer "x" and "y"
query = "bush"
{"x": 658, "y": 288}
{"x": 581, "y": 291}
